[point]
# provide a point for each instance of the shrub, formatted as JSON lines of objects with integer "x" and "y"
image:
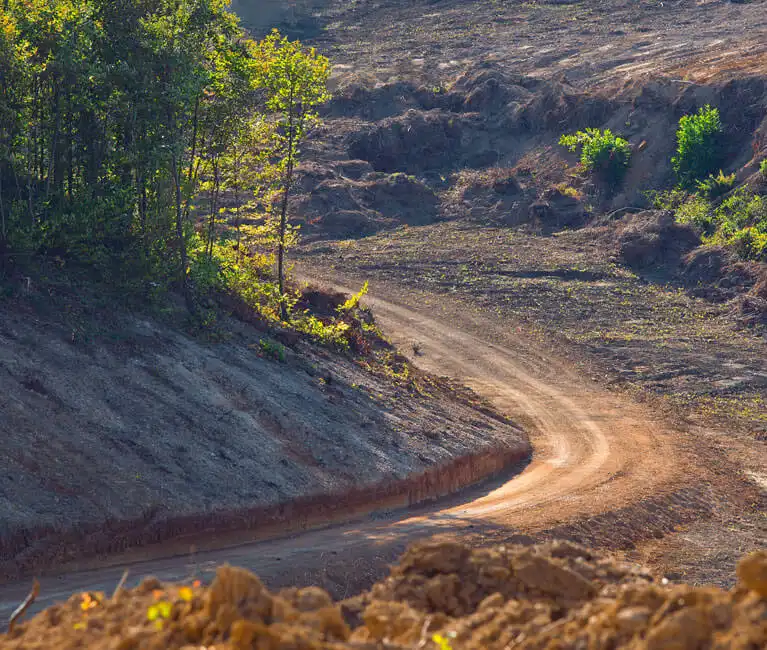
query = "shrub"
{"x": 750, "y": 243}
{"x": 741, "y": 210}
{"x": 763, "y": 167}
{"x": 272, "y": 350}
{"x": 740, "y": 222}
{"x": 697, "y": 151}
{"x": 331, "y": 334}
{"x": 715, "y": 186}
{"x": 697, "y": 212}
{"x": 604, "y": 154}
{"x": 667, "y": 199}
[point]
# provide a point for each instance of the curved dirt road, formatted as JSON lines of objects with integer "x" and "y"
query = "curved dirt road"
{"x": 594, "y": 452}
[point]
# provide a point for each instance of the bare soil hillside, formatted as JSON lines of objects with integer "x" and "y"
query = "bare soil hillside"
{"x": 446, "y": 109}
{"x": 120, "y": 431}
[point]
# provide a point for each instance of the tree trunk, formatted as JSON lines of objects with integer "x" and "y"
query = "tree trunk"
{"x": 284, "y": 210}
{"x": 180, "y": 236}
{"x": 237, "y": 202}
{"x": 281, "y": 242}
{"x": 213, "y": 208}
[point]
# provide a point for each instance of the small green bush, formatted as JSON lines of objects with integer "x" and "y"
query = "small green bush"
{"x": 604, "y": 154}
{"x": 715, "y": 186}
{"x": 741, "y": 210}
{"x": 750, "y": 243}
{"x": 272, "y": 350}
{"x": 697, "y": 212}
{"x": 667, "y": 199}
{"x": 739, "y": 222}
{"x": 697, "y": 151}
{"x": 763, "y": 167}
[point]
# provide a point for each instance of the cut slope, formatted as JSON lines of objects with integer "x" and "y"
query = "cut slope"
{"x": 145, "y": 434}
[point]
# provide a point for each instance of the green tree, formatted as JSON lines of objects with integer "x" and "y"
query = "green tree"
{"x": 123, "y": 123}
{"x": 295, "y": 81}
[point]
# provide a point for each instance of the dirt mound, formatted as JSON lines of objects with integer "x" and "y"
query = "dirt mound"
{"x": 485, "y": 188}
{"x": 714, "y": 273}
{"x": 413, "y": 142}
{"x": 653, "y": 238}
{"x": 344, "y": 206}
{"x": 387, "y": 100}
{"x": 487, "y": 117}
{"x": 505, "y": 197}
{"x": 440, "y": 595}
{"x": 560, "y": 596}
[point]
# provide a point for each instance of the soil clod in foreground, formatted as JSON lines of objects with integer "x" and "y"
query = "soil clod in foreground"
{"x": 554, "y": 595}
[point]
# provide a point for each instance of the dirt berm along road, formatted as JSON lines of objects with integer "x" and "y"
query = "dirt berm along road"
{"x": 594, "y": 452}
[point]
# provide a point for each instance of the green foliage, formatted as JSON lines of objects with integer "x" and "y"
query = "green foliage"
{"x": 295, "y": 81}
{"x": 123, "y": 124}
{"x": 697, "y": 152}
{"x": 331, "y": 334}
{"x": 763, "y": 167}
{"x": 105, "y": 109}
{"x": 354, "y": 301}
{"x": 739, "y": 222}
{"x": 697, "y": 211}
{"x": 667, "y": 199}
{"x": 272, "y": 350}
{"x": 605, "y": 155}
{"x": 750, "y": 243}
{"x": 715, "y": 186}
{"x": 743, "y": 210}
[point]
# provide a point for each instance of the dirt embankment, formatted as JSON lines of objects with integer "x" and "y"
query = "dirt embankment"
{"x": 137, "y": 434}
{"x": 440, "y": 595}
{"x": 485, "y": 146}
{"x": 433, "y": 100}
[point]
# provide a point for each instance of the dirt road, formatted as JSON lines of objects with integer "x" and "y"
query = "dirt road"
{"x": 594, "y": 453}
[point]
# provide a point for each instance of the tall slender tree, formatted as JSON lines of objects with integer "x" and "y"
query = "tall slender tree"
{"x": 295, "y": 80}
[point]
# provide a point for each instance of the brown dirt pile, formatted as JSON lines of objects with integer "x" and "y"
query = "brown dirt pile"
{"x": 556, "y": 595}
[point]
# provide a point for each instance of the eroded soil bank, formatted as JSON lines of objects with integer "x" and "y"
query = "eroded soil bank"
{"x": 126, "y": 433}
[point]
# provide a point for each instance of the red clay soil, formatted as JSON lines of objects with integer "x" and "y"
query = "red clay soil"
{"x": 441, "y": 595}
{"x": 301, "y": 514}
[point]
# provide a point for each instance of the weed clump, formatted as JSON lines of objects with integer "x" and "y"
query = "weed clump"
{"x": 603, "y": 154}
{"x": 739, "y": 222}
{"x": 715, "y": 186}
{"x": 697, "y": 151}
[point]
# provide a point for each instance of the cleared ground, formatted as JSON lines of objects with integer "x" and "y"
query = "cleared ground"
{"x": 600, "y": 460}
{"x": 645, "y": 403}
